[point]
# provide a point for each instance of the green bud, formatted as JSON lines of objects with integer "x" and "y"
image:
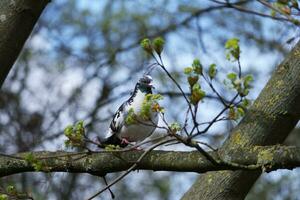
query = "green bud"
{"x": 158, "y": 45}
{"x": 232, "y": 113}
{"x": 212, "y": 71}
{"x": 80, "y": 128}
{"x": 188, "y": 70}
{"x": 197, "y": 94}
{"x": 68, "y": 130}
{"x": 197, "y": 67}
{"x": 193, "y": 80}
{"x": 147, "y": 46}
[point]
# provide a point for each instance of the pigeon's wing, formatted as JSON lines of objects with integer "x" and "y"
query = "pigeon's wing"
{"x": 115, "y": 127}
{"x": 118, "y": 121}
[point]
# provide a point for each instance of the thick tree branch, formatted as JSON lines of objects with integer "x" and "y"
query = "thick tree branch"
{"x": 269, "y": 121}
{"x": 17, "y": 19}
{"x": 268, "y": 157}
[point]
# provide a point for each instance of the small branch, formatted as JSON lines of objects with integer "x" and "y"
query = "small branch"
{"x": 130, "y": 169}
{"x": 253, "y": 12}
{"x": 275, "y": 9}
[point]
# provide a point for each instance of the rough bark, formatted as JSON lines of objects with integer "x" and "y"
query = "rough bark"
{"x": 17, "y": 19}
{"x": 269, "y": 121}
{"x": 256, "y": 158}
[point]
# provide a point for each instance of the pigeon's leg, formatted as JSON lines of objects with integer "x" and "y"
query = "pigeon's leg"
{"x": 125, "y": 141}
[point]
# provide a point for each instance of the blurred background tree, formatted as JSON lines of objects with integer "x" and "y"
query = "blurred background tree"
{"x": 83, "y": 59}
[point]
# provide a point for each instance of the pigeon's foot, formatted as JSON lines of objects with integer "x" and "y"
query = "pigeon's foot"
{"x": 125, "y": 141}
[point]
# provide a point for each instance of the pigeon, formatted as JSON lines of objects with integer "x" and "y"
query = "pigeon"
{"x": 122, "y": 134}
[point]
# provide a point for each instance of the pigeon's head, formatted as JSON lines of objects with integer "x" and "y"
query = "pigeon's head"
{"x": 145, "y": 83}
{"x": 146, "y": 80}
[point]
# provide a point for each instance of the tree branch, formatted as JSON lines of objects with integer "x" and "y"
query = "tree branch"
{"x": 17, "y": 19}
{"x": 258, "y": 157}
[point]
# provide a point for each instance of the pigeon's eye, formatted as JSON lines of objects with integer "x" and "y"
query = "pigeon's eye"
{"x": 146, "y": 80}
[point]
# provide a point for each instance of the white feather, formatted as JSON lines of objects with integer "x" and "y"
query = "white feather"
{"x": 134, "y": 132}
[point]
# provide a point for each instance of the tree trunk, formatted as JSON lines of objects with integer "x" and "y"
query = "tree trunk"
{"x": 17, "y": 19}
{"x": 269, "y": 121}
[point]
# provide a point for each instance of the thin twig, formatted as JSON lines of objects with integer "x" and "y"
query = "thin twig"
{"x": 131, "y": 168}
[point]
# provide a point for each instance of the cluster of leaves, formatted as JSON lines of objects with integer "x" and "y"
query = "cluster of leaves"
{"x": 10, "y": 192}
{"x": 131, "y": 117}
{"x": 111, "y": 147}
{"x": 157, "y": 45}
{"x": 150, "y": 104}
{"x": 35, "y": 162}
{"x": 175, "y": 127}
{"x": 241, "y": 85}
{"x": 233, "y": 49}
{"x": 75, "y": 134}
{"x": 193, "y": 74}
{"x": 237, "y": 112}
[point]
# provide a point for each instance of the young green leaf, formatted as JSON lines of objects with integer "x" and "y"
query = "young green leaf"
{"x": 149, "y": 104}
{"x": 188, "y": 70}
{"x": 192, "y": 80}
{"x": 232, "y": 76}
{"x": 175, "y": 127}
{"x": 197, "y": 94}
{"x": 75, "y": 134}
{"x": 247, "y": 80}
{"x": 233, "y": 49}
{"x": 197, "y": 66}
{"x": 246, "y": 103}
{"x": 131, "y": 117}
{"x": 212, "y": 71}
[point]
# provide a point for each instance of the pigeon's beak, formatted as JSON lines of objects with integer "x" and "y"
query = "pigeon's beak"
{"x": 151, "y": 86}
